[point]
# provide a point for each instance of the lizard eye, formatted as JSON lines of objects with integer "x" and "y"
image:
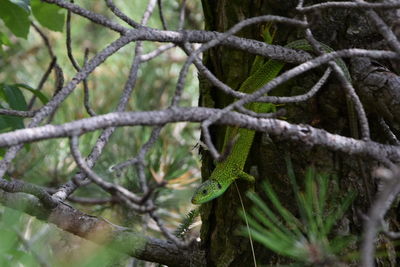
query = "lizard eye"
{"x": 219, "y": 186}
{"x": 204, "y": 191}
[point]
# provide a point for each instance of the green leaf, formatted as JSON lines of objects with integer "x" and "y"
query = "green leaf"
{"x": 22, "y": 3}
{"x": 37, "y": 93}
{"x": 16, "y": 100}
{"x": 14, "y": 97}
{"x": 4, "y": 125}
{"x": 15, "y": 18}
{"x": 4, "y": 39}
{"x": 48, "y": 15}
{"x": 10, "y": 217}
{"x": 8, "y": 241}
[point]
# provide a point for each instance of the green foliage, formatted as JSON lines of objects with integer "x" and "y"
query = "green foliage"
{"x": 184, "y": 227}
{"x": 22, "y": 3}
{"x": 13, "y": 98}
{"x": 308, "y": 239}
{"x": 26, "y": 241}
{"x": 4, "y": 41}
{"x": 35, "y": 92}
{"x": 15, "y": 17}
{"x": 102, "y": 256}
{"x": 15, "y": 250}
{"x": 49, "y": 16}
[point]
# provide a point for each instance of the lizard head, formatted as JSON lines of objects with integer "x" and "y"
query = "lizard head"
{"x": 208, "y": 190}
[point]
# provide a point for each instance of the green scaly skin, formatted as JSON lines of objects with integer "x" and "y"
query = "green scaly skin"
{"x": 232, "y": 168}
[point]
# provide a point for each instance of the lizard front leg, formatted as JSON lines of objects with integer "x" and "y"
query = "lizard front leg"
{"x": 247, "y": 177}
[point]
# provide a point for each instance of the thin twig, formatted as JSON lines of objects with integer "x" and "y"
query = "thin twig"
{"x": 86, "y": 101}
{"x": 387, "y": 5}
{"x": 389, "y": 134}
{"x": 44, "y": 78}
{"x": 182, "y": 15}
{"x": 121, "y": 15}
{"x": 75, "y": 64}
{"x": 156, "y": 52}
{"x": 58, "y": 70}
{"x": 19, "y": 113}
{"x": 161, "y": 14}
{"x": 68, "y": 41}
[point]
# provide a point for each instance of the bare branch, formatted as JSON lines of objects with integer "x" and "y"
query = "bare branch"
{"x": 331, "y": 4}
{"x": 156, "y": 52}
{"x": 16, "y": 186}
{"x": 19, "y": 113}
{"x": 301, "y": 133}
{"x": 375, "y": 215}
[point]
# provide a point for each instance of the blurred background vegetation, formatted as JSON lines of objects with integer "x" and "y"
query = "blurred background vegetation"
{"x": 174, "y": 156}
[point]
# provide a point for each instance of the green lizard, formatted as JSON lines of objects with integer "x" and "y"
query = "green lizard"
{"x": 232, "y": 168}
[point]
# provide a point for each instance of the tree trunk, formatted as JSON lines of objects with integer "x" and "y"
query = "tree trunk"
{"x": 327, "y": 110}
